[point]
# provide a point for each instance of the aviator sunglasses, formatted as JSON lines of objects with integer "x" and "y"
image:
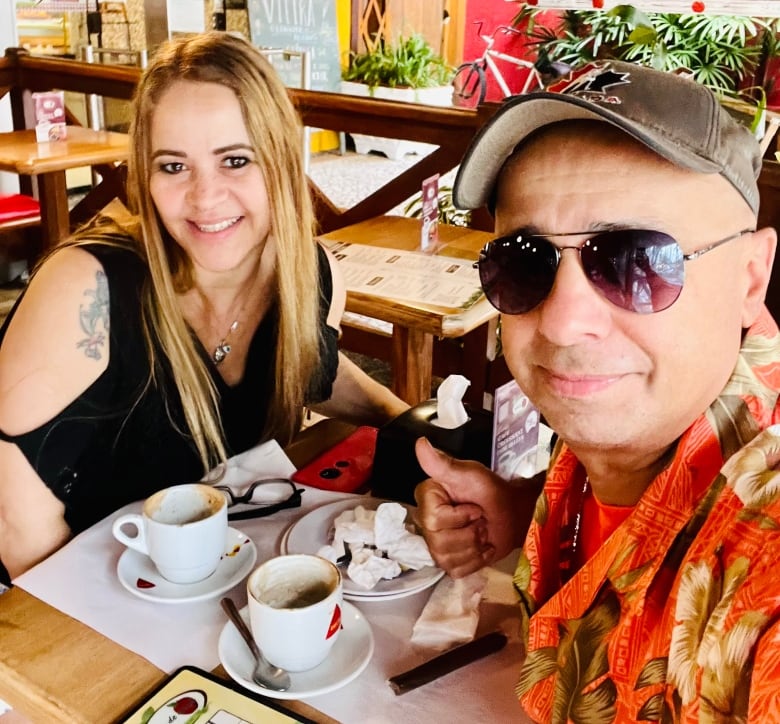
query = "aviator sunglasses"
{"x": 639, "y": 270}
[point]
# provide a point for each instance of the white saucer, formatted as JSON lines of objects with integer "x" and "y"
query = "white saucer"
{"x": 349, "y": 656}
{"x": 315, "y": 530}
{"x": 138, "y": 574}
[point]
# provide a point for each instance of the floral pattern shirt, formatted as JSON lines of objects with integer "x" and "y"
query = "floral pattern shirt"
{"x": 676, "y": 617}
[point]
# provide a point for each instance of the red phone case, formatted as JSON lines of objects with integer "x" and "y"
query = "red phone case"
{"x": 346, "y": 467}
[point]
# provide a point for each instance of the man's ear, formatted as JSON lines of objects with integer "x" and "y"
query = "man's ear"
{"x": 759, "y": 271}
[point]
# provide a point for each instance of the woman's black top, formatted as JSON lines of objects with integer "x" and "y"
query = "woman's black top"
{"x": 125, "y": 436}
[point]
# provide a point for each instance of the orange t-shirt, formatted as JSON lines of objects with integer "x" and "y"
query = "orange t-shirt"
{"x": 599, "y": 522}
{"x": 674, "y": 611}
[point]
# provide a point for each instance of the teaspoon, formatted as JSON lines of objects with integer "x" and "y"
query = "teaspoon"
{"x": 265, "y": 674}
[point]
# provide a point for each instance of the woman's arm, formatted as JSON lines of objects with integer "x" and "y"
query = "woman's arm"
{"x": 360, "y": 399}
{"x": 55, "y": 347}
{"x": 356, "y": 397}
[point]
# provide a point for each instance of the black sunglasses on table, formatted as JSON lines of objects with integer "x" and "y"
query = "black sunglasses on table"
{"x": 639, "y": 270}
{"x": 264, "y": 497}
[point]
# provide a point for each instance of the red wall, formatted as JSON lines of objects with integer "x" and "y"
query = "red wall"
{"x": 494, "y": 13}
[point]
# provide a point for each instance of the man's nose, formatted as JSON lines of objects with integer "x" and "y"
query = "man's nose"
{"x": 574, "y": 311}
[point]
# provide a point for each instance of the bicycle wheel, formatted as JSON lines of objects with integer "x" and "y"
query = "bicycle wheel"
{"x": 468, "y": 86}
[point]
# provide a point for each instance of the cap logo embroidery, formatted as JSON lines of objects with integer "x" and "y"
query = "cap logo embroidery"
{"x": 592, "y": 83}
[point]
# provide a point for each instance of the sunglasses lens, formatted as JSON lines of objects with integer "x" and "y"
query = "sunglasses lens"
{"x": 517, "y": 275}
{"x": 635, "y": 269}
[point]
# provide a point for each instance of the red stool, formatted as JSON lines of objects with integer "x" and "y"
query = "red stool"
{"x": 18, "y": 211}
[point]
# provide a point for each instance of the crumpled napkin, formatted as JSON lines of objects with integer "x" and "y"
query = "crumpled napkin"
{"x": 381, "y": 544}
{"x": 452, "y": 613}
{"x": 366, "y": 569}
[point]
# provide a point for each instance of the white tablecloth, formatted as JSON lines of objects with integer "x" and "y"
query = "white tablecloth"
{"x": 80, "y": 580}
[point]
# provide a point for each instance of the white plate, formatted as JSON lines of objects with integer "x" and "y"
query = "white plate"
{"x": 138, "y": 574}
{"x": 349, "y": 656}
{"x": 383, "y": 597}
{"x": 309, "y": 533}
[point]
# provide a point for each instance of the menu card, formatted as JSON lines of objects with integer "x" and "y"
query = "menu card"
{"x": 190, "y": 694}
{"x": 515, "y": 433}
{"x": 429, "y": 239}
{"x": 408, "y": 275}
{"x": 50, "y": 116}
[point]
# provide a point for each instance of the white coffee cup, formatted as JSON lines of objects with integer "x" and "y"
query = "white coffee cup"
{"x": 295, "y": 606}
{"x": 183, "y": 530}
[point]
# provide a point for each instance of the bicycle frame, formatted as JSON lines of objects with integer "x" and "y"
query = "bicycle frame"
{"x": 470, "y": 81}
{"x": 488, "y": 57}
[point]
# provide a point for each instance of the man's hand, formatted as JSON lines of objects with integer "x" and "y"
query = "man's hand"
{"x": 467, "y": 512}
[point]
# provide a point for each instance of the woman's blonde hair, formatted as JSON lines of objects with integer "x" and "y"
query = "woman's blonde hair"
{"x": 274, "y": 131}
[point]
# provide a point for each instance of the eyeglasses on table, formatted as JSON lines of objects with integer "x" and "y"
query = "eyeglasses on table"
{"x": 264, "y": 497}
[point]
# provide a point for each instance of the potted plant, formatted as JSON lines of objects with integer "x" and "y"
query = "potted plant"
{"x": 726, "y": 53}
{"x": 406, "y": 70}
{"x": 722, "y": 52}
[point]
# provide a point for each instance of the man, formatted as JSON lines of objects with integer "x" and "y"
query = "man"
{"x": 631, "y": 280}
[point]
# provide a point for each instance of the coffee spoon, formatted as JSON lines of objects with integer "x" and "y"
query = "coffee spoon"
{"x": 265, "y": 674}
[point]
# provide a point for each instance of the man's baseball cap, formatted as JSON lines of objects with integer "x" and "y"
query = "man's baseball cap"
{"x": 675, "y": 117}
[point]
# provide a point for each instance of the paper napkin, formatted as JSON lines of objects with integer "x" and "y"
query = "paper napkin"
{"x": 267, "y": 460}
{"x": 452, "y": 613}
{"x": 380, "y": 543}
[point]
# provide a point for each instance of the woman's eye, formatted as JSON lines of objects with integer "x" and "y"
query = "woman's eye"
{"x": 236, "y": 161}
{"x": 173, "y": 167}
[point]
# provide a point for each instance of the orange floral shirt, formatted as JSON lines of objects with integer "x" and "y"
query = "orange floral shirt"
{"x": 675, "y": 618}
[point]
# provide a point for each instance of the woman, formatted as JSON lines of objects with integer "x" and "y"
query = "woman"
{"x": 143, "y": 354}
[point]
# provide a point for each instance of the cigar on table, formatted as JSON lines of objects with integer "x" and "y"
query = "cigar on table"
{"x": 447, "y": 662}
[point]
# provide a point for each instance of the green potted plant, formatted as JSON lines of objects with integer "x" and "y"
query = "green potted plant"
{"x": 722, "y": 52}
{"x": 406, "y": 70}
{"x": 408, "y": 64}
{"x": 727, "y": 53}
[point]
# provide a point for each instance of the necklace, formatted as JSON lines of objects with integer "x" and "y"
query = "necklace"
{"x": 223, "y": 349}
{"x": 575, "y": 538}
{"x": 570, "y": 539}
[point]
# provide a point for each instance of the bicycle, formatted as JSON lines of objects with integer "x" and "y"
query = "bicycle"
{"x": 469, "y": 85}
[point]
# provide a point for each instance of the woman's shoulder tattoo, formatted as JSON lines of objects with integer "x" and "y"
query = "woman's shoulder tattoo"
{"x": 94, "y": 317}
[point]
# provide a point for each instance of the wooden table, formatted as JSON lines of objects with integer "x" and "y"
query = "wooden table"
{"x": 20, "y": 153}
{"x": 54, "y": 669}
{"x": 58, "y": 670}
{"x": 415, "y": 325}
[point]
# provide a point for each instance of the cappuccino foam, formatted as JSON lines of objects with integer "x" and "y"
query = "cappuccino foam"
{"x": 296, "y": 595}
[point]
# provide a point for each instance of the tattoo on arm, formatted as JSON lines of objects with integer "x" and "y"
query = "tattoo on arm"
{"x": 94, "y": 318}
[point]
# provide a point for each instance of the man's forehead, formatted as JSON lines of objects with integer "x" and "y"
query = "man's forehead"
{"x": 597, "y": 168}
{"x": 578, "y": 135}
{"x": 565, "y": 150}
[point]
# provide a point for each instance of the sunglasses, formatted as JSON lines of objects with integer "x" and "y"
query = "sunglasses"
{"x": 639, "y": 270}
{"x": 262, "y": 497}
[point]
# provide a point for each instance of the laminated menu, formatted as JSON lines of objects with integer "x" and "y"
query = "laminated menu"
{"x": 443, "y": 281}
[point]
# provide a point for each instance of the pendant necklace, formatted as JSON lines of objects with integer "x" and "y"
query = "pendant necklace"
{"x": 223, "y": 349}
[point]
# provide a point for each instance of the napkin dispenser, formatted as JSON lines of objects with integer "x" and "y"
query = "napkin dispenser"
{"x": 396, "y": 471}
